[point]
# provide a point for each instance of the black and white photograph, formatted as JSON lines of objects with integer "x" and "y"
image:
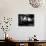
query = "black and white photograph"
{"x": 26, "y": 19}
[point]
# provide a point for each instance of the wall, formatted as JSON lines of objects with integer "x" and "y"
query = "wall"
{"x": 11, "y": 8}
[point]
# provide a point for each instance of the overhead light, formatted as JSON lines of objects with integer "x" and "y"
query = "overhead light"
{"x": 35, "y": 3}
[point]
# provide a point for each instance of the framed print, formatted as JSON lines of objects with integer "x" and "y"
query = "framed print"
{"x": 26, "y": 19}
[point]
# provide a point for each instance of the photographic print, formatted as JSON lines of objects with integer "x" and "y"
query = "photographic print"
{"x": 26, "y": 19}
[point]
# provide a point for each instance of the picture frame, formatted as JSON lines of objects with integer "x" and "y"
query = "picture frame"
{"x": 25, "y": 19}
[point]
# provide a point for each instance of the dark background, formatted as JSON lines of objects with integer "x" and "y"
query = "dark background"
{"x": 26, "y": 23}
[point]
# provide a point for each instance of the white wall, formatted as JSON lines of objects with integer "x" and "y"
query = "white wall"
{"x": 11, "y": 8}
